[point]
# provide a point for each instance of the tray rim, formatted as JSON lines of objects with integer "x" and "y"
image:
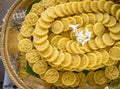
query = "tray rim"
{"x": 5, "y": 56}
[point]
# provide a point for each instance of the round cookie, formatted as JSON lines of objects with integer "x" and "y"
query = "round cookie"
{"x": 100, "y": 77}
{"x": 99, "y": 42}
{"x": 68, "y": 78}
{"x": 114, "y": 9}
{"x": 25, "y": 45}
{"x": 111, "y": 72}
{"x": 98, "y": 29}
{"x": 105, "y": 55}
{"x": 114, "y": 53}
{"x": 115, "y": 36}
{"x": 92, "y": 59}
{"x": 51, "y": 76}
{"x": 40, "y": 67}
{"x": 107, "y": 40}
{"x": 90, "y": 78}
{"x": 26, "y": 30}
{"x": 83, "y": 79}
{"x": 42, "y": 47}
{"x": 32, "y": 56}
{"x": 62, "y": 44}
{"x": 57, "y": 27}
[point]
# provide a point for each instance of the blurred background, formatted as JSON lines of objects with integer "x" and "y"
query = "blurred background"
{"x": 4, "y": 8}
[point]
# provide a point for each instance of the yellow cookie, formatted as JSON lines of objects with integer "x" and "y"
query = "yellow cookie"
{"x": 112, "y": 72}
{"x": 64, "y": 9}
{"x": 37, "y": 8}
{"x": 75, "y": 7}
{"x": 80, "y": 7}
{"x": 79, "y": 20}
{"x": 62, "y": 44}
{"x": 47, "y": 53}
{"x": 75, "y": 61}
{"x": 55, "y": 39}
{"x": 107, "y": 6}
{"x": 92, "y": 18}
{"x": 84, "y": 62}
{"x": 31, "y": 19}
{"x": 69, "y": 8}
{"x": 42, "y": 47}
{"x": 90, "y": 78}
{"x": 66, "y": 23}
{"x": 66, "y": 34}
{"x": 48, "y": 3}
{"x": 43, "y": 24}
{"x": 72, "y": 35}
{"x": 67, "y": 61}
{"x": 25, "y": 45}
{"x": 85, "y": 19}
{"x": 114, "y": 53}
{"x": 97, "y": 67}
{"x": 90, "y": 28}
{"x": 115, "y": 36}
{"x": 100, "y": 77}
{"x": 112, "y": 22}
{"x": 58, "y": 11}
{"x": 46, "y": 18}
{"x": 59, "y": 81}
{"x": 98, "y": 29}
{"x": 79, "y": 47}
{"x": 54, "y": 56}
{"x": 107, "y": 40}
{"x": 57, "y": 27}
{"x": 51, "y": 12}
{"x": 105, "y": 55}
{"x": 114, "y": 9}
{"x": 62, "y": 1}
{"x": 117, "y": 44}
{"x": 72, "y": 20}
{"x": 110, "y": 62}
{"x": 99, "y": 17}
{"x": 73, "y": 47}
{"x": 60, "y": 59}
{"x": 40, "y": 67}
{"x": 21, "y": 37}
{"x": 86, "y": 6}
{"x": 32, "y": 56}
{"x": 94, "y": 6}
{"x": 26, "y": 30}
{"x": 40, "y": 31}
{"x": 68, "y": 78}
{"x": 92, "y": 45}
{"x": 77, "y": 81}
{"x": 117, "y": 15}
{"x": 39, "y": 39}
{"x": 82, "y": 79}
{"x": 50, "y": 36}
{"x": 51, "y": 76}
{"x": 99, "y": 57}
{"x": 92, "y": 59}
{"x": 101, "y": 4}
{"x": 68, "y": 46}
{"x": 115, "y": 29}
{"x": 106, "y": 18}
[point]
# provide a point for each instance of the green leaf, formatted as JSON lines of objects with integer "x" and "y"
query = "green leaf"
{"x": 29, "y": 8}
{"x": 115, "y": 84}
{"x": 30, "y": 71}
{"x": 85, "y": 72}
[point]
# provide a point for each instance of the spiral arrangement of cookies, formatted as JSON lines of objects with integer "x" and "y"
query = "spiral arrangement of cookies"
{"x": 51, "y": 48}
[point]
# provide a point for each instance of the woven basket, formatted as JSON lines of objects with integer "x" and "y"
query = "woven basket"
{"x": 10, "y": 52}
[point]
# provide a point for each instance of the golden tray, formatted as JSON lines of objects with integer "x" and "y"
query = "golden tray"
{"x": 10, "y": 53}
